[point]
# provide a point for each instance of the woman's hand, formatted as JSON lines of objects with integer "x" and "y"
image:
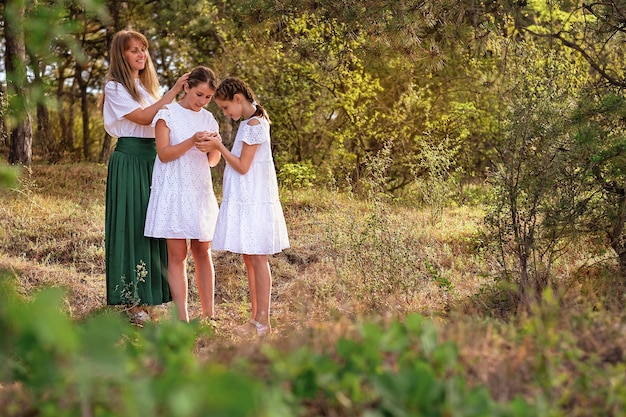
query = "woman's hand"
{"x": 178, "y": 87}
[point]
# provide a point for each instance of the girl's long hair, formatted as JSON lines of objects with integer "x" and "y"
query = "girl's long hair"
{"x": 121, "y": 71}
{"x": 230, "y": 86}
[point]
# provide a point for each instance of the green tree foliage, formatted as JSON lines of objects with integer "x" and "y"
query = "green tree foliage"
{"x": 599, "y": 144}
{"x": 8, "y": 176}
{"x": 536, "y": 188}
{"x": 595, "y": 30}
{"x": 340, "y": 81}
{"x": 58, "y": 38}
{"x": 559, "y": 177}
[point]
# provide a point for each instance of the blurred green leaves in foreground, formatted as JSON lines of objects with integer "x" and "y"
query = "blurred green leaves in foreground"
{"x": 103, "y": 366}
{"x": 8, "y": 176}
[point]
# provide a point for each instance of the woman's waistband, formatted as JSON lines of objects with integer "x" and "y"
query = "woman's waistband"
{"x": 141, "y": 147}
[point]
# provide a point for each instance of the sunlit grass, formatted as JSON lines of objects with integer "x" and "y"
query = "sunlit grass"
{"x": 52, "y": 230}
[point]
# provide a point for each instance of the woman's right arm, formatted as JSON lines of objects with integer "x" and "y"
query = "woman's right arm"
{"x": 144, "y": 116}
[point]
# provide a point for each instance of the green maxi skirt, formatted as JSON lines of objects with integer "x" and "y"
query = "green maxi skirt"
{"x": 136, "y": 266}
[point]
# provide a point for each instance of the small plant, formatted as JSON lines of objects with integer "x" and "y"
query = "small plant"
{"x": 27, "y": 185}
{"x": 129, "y": 291}
{"x": 401, "y": 370}
{"x": 441, "y": 178}
{"x": 8, "y": 176}
{"x": 538, "y": 192}
{"x": 442, "y": 282}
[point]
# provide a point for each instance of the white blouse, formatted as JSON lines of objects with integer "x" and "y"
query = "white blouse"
{"x": 117, "y": 104}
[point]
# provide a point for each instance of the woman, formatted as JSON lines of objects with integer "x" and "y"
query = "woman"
{"x": 136, "y": 266}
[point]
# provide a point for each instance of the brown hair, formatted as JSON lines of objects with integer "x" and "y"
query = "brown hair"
{"x": 121, "y": 71}
{"x": 231, "y": 86}
{"x": 201, "y": 75}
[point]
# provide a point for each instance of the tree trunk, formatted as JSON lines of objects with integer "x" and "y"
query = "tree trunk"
{"x": 4, "y": 136}
{"x": 616, "y": 234}
{"x": 21, "y": 146}
{"x": 67, "y": 137}
{"x": 105, "y": 153}
{"x": 84, "y": 108}
{"x": 71, "y": 116}
{"x": 44, "y": 135}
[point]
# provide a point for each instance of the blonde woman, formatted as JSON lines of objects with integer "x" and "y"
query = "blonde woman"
{"x": 136, "y": 266}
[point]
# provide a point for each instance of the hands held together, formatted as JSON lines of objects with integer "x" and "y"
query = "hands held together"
{"x": 207, "y": 141}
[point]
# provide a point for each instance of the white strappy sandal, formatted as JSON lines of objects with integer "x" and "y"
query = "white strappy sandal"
{"x": 252, "y": 328}
{"x": 261, "y": 329}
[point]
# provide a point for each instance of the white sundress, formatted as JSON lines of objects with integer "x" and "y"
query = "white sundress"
{"x": 182, "y": 201}
{"x": 251, "y": 219}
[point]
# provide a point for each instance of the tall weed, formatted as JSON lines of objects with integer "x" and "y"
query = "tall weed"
{"x": 440, "y": 183}
{"x": 375, "y": 251}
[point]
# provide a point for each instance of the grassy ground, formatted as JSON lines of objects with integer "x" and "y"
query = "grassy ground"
{"x": 352, "y": 259}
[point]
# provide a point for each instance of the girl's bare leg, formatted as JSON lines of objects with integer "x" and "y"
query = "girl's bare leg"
{"x": 262, "y": 288}
{"x": 260, "y": 282}
{"x": 177, "y": 275}
{"x": 205, "y": 276}
{"x": 247, "y": 259}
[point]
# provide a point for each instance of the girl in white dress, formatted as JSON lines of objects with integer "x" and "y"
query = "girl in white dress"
{"x": 251, "y": 220}
{"x": 182, "y": 203}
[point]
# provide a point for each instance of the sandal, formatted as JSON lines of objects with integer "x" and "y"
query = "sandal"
{"x": 261, "y": 329}
{"x": 138, "y": 316}
{"x": 252, "y": 328}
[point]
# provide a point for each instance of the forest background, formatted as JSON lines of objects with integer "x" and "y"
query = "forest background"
{"x": 463, "y": 159}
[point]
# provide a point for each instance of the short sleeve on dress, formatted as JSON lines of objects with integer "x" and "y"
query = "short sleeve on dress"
{"x": 119, "y": 100}
{"x": 163, "y": 114}
{"x": 255, "y": 135}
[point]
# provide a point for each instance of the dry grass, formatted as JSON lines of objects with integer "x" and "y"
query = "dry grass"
{"x": 349, "y": 259}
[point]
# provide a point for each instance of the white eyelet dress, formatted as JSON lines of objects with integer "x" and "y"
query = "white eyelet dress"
{"x": 182, "y": 201}
{"x": 251, "y": 219}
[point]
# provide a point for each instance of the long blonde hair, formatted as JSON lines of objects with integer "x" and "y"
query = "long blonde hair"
{"x": 121, "y": 71}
